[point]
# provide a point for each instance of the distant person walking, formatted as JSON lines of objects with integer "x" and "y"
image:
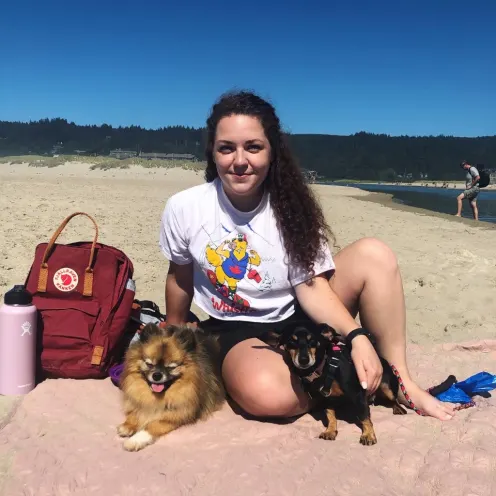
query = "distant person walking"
{"x": 472, "y": 189}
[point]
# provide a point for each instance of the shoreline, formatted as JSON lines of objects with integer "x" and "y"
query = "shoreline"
{"x": 452, "y": 185}
{"x": 387, "y": 200}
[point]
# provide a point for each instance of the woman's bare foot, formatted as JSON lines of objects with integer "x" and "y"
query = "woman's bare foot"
{"x": 458, "y": 215}
{"x": 427, "y": 403}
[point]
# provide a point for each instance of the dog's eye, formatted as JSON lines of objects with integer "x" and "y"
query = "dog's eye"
{"x": 171, "y": 366}
{"x": 148, "y": 362}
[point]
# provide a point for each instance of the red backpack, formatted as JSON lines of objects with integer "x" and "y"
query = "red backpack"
{"x": 84, "y": 294}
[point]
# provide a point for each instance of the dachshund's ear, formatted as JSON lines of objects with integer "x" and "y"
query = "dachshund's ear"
{"x": 327, "y": 331}
{"x": 272, "y": 338}
{"x": 150, "y": 330}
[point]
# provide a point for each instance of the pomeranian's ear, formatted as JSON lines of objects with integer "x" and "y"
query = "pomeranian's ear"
{"x": 150, "y": 330}
{"x": 186, "y": 337}
{"x": 327, "y": 331}
{"x": 272, "y": 338}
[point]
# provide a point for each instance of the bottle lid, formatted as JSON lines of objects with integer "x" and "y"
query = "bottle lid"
{"x": 18, "y": 295}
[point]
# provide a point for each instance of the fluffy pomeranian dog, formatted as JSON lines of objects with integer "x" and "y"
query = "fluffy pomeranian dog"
{"x": 171, "y": 378}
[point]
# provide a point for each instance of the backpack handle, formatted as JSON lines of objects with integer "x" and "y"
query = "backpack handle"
{"x": 88, "y": 273}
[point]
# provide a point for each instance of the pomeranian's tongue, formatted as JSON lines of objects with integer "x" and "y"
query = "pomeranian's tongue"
{"x": 158, "y": 388}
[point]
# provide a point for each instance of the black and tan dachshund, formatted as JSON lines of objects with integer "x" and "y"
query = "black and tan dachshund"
{"x": 320, "y": 358}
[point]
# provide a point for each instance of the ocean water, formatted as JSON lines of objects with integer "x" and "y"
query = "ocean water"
{"x": 436, "y": 199}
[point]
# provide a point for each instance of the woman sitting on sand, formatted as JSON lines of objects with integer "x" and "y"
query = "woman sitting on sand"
{"x": 251, "y": 246}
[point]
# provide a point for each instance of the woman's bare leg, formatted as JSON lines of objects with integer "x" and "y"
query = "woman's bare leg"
{"x": 258, "y": 379}
{"x": 367, "y": 280}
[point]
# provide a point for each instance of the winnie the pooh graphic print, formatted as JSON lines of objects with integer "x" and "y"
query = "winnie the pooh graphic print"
{"x": 231, "y": 261}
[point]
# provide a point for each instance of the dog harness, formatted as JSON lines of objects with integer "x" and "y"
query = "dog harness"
{"x": 323, "y": 376}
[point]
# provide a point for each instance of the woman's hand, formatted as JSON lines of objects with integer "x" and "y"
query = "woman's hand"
{"x": 367, "y": 363}
{"x": 322, "y": 304}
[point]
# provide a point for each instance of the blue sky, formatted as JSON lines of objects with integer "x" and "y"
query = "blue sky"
{"x": 394, "y": 67}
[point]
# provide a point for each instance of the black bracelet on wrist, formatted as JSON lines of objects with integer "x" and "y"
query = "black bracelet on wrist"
{"x": 358, "y": 332}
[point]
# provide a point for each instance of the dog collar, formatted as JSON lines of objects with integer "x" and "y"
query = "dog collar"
{"x": 316, "y": 373}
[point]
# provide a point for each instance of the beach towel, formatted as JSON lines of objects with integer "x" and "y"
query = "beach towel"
{"x": 62, "y": 440}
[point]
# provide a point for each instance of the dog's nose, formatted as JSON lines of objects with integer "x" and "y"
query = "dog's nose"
{"x": 304, "y": 360}
{"x": 157, "y": 376}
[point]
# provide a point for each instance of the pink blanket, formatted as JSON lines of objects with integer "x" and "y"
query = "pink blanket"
{"x": 62, "y": 441}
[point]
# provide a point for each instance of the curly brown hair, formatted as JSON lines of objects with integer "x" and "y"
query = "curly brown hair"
{"x": 297, "y": 211}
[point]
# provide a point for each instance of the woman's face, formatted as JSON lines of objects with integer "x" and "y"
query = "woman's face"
{"x": 242, "y": 156}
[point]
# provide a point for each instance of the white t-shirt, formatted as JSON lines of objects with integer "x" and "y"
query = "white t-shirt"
{"x": 241, "y": 270}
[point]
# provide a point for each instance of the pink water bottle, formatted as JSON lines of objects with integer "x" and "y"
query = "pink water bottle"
{"x": 18, "y": 319}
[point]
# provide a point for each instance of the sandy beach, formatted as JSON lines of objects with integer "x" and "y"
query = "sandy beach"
{"x": 448, "y": 265}
{"x": 449, "y": 275}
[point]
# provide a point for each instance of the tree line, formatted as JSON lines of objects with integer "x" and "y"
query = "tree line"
{"x": 358, "y": 156}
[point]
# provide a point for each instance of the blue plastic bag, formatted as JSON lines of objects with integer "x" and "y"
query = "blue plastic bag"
{"x": 461, "y": 392}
